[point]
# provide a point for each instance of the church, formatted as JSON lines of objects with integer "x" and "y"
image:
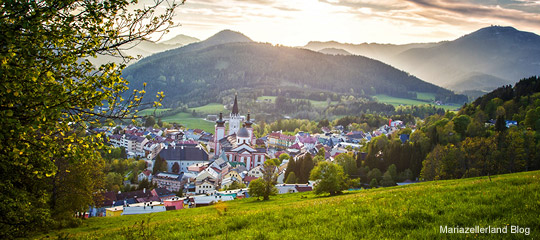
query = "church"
{"x": 238, "y": 145}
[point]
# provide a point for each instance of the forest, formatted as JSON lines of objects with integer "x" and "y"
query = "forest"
{"x": 496, "y": 134}
{"x": 196, "y": 76}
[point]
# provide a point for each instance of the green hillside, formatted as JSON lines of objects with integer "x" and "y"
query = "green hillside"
{"x": 405, "y": 212}
{"x": 198, "y": 73}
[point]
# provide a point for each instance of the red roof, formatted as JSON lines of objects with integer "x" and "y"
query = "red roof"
{"x": 147, "y": 172}
{"x": 197, "y": 130}
{"x": 303, "y": 188}
{"x": 249, "y": 178}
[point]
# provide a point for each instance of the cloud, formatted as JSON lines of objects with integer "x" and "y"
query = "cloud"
{"x": 476, "y": 12}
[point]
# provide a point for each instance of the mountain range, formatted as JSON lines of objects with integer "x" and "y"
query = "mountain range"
{"x": 200, "y": 71}
{"x": 482, "y": 60}
{"x": 147, "y": 48}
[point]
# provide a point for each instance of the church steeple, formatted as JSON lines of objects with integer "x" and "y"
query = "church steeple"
{"x": 248, "y": 123}
{"x": 235, "y": 105}
{"x": 220, "y": 122}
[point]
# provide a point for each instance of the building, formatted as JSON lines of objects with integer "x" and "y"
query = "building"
{"x": 146, "y": 174}
{"x": 170, "y": 181}
{"x": 239, "y": 144}
{"x": 184, "y": 154}
{"x": 279, "y": 140}
{"x": 143, "y": 208}
{"x": 175, "y": 203}
{"x": 206, "y": 186}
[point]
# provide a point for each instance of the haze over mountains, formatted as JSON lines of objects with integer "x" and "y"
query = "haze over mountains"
{"x": 482, "y": 60}
{"x": 199, "y": 72}
{"x": 147, "y": 48}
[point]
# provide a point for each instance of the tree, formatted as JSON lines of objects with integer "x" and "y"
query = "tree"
{"x": 113, "y": 181}
{"x": 373, "y": 183}
{"x": 51, "y": 93}
{"x": 236, "y": 185}
{"x": 145, "y": 184}
{"x": 256, "y": 188}
{"x": 393, "y": 171}
{"x": 375, "y": 173}
{"x": 291, "y": 179}
{"x": 283, "y": 156}
{"x": 175, "y": 167}
{"x": 160, "y": 165}
{"x": 330, "y": 178}
{"x": 306, "y": 165}
{"x": 264, "y": 187}
{"x": 348, "y": 163}
{"x": 387, "y": 180}
{"x": 150, "y": 121}
{"x": 270, "y": 179}
{"x": 291, "y": 166}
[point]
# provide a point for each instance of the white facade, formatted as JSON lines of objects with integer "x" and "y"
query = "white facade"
{"x": 204, "y": 188}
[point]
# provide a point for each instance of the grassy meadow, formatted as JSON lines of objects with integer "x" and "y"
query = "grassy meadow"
{"x": 404, "y": 101}
{"x": 187, "y": 120}
{"x": 403, "y": 212}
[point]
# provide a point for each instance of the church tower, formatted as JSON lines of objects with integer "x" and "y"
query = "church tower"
{"x": 219, "y": 134}
{"x": 235, "y": 120}
{"x": 250, "y": 129}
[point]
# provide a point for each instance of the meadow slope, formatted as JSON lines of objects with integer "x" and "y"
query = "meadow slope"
{"x": 404, "y": 212}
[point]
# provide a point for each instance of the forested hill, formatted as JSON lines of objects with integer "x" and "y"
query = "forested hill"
{"x": 202, "y": 70}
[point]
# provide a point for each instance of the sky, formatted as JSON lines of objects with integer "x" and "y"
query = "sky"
{"x": 296, "y": 22}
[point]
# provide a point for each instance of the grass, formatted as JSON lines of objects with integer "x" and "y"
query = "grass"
{"x": 211, "y": 108}
{"x": 404, "y": 101}
{"x": 187, "y": 120}
{"x": 404, "y": 212}
{"x": 425, "y": 96}
{"x": 150, "y": 111}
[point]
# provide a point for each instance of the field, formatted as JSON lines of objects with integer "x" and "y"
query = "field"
{"x": 187, "y": 119}
{"x": 425, "y": 96}
{"x": 403, "y": 101}
{"x": 211, "y": 108}
{"x": 404, "y": 212}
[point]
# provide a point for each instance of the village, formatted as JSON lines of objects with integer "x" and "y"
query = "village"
{"x": 205, "y": 168}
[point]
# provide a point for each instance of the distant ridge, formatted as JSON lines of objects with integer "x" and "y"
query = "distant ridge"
{"x": 230, "y": 60}
{"x": 334, "y": 51}
{"x": 482, "y": 60}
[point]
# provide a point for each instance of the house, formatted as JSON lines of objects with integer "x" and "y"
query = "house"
{"x": 162, "y": 194}
{"x": 209, "y": 200}
{"x": 207, "y": 185}
{"x": 306, "y": 140}
{"x": 221, "y": 165}
{"x": 170, "y": 181}
{"x": 114, "y": 211}
{"x": 143, "y": 208}
{"x": 184, "y": 154}
{"x": 151, "y": 149}
{"x": 226, "y": 182}
{"x": 175, "y": 203}
{"x": 208, "y": 173}
{"x": 248, "y": 179}
{"x": 279, "y": 140}
{"x": 256, "y": 172}
{"x": 293, "y": 188}
{"x": 197, "y": 167}
{"x": 146, "y": 174}
{"x": 233, "y": 173}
